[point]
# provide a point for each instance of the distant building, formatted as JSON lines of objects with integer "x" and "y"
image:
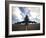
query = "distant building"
{"x": 26, "y": 21}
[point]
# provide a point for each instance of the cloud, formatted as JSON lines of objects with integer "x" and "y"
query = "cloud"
{"x": 19, "y": 14}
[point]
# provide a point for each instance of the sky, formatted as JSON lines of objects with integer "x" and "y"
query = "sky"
{"x": 19, "y": 13}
